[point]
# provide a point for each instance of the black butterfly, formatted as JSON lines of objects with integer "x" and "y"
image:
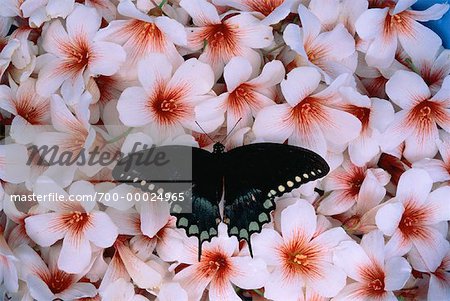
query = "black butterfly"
{"x": 248, "y": 177}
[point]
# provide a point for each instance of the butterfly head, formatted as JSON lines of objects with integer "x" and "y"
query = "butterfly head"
{"x": 218, "y": 148}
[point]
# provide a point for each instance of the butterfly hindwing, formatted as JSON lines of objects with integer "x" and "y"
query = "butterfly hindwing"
{"x": 257, "y": 173}
{"x": 190, "y": 171}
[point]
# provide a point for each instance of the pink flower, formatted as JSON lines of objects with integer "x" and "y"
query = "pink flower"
{"x": 223, "y": 39}
{"x": 346, "y": 184}
{"x": 375, "y": 115}
{"x": 300, "y": 257}
{"x": 416, "y": 123}
{"x": 271, "y": 11}
{"x": 74, "y": 131}
{"x": 376, "y": 276}
{"x": 389, "y": 23}
{"x": 144, "y": 34}
{"x": 127, "y": 265}
{"x": 439, "y": 170}
{"x": 74, "y": 53}
{"x": 75, "y": 222}
{"x": 167, "y": 99}
{"x": 8, "y": 269}
{"x": 413, "y": 218}
{"x": 46, "y": 281}
{"x": 433, "y": 68}
{"x": 331, "y": 13}
{"x": 152, "y": 229}
{"x": 332, "y": 52}
{"x": 40, "y": 11}
{"x": 219, "y": 267}
{"x": 245, "y": 96}
{"x": 308, "y": 119}
{"x": 30, "y": 109}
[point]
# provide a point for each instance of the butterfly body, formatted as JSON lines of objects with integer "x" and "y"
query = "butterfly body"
{"x": 247, "y": 179}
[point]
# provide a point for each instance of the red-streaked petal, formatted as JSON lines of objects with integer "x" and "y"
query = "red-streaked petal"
{"x": 298, "y": 219}
{"x": 75, "y": 254}
{"x": 300, "y": 83}
{"x": 202, "y": 12}
{"x": 101, "y": 231}
{"x": 45, "y": 229}
{"x": 272, "y": 123}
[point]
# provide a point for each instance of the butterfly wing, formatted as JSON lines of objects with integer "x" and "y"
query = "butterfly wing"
{"x": 191, "y": 171}
{"x": 257, "y": 173}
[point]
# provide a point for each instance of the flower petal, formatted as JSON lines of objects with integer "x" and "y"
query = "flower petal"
{"x": 202, "y": 12}
{"x": 75, "y": 253}
{"x": 406, "y": 88}
{"x": 414, "y": 184}
{"x": 388, "y": 217}
{"x": 108, "y": 57}
{"x": 132, "y": 107}
{"x": 300, "y": 83}
{"x": 397, "y": 272}
{"x": 103, "y": 232}
{"x": 271, "y": 125}
{"x": 352, "y": 259}
{"x": 236, "y": 72}
{"x": 299, "y": 218}
{"x": 45, "y": 229}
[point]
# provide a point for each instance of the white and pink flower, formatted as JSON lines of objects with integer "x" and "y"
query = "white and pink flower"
{"x": 331, "y": 52}
{"x": 167, "y": 98}
{"x": 74, "y": 53}
{"x": 224, "y": 38}
{"x": 376, "y": 276}
{"x": 245, "y": 95}
{"x": 413, "y": 219}
{"x": 417, "y": 122}
{"x": 76, "y": 223}
{"x": 308, "y": 119}
{"x": 388, "y": 23}
{"x": 299, "y": 257}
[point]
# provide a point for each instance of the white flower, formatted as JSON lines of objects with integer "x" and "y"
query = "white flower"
{"x": 299, "y": 256}
{"x": 75, "y": 222}
{"x": 389, "y": 23}
{"x": 46, "y": 281}
{"x": 167, "y": 98}
{"x": 376, "y": 275}
{"x": 219, "y": 267}
{"x": 416, "y": 124}
{"x": 245, "y": 96}
{"x": 142, "y": 35}
{"x": 308, "y": 118}
{"x": 31, "y": 110}
{"x": 412, "y": 219}
{"x": 74, "y": 53}
{"x": 332, "y": 52}
{"x": 223, "y": 39}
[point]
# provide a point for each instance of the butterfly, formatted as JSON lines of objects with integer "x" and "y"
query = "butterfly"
{"x": 248, "y": 178}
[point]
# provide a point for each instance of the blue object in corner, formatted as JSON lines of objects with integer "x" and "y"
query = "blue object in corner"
{"x": 442, "y": 26}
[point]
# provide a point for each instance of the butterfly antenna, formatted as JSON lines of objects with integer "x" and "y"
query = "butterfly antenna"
{"x": 204, "y": 132}
{"x": 229, "y": 133}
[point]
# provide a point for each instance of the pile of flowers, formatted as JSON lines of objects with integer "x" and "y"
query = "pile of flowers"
{"x": 361, "y": 82}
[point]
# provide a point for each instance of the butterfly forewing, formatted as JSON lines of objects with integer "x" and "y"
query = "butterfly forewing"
{"x": 191, "y": 172}
{"x": 257, "y": 173}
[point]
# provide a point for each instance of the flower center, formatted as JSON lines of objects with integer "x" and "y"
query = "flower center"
{"x": 376, "y": 285}
{"x": 306, "y": 108}
{"x": 242, "y": 92}
{"x": 168, "y": 105}
{"x": 425, "y": 112}
{"x": 58, "y": 281}
{"x": 300, "y": 259}
{"x": 150, "y": 29}
{"x": 77, "y": 217}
